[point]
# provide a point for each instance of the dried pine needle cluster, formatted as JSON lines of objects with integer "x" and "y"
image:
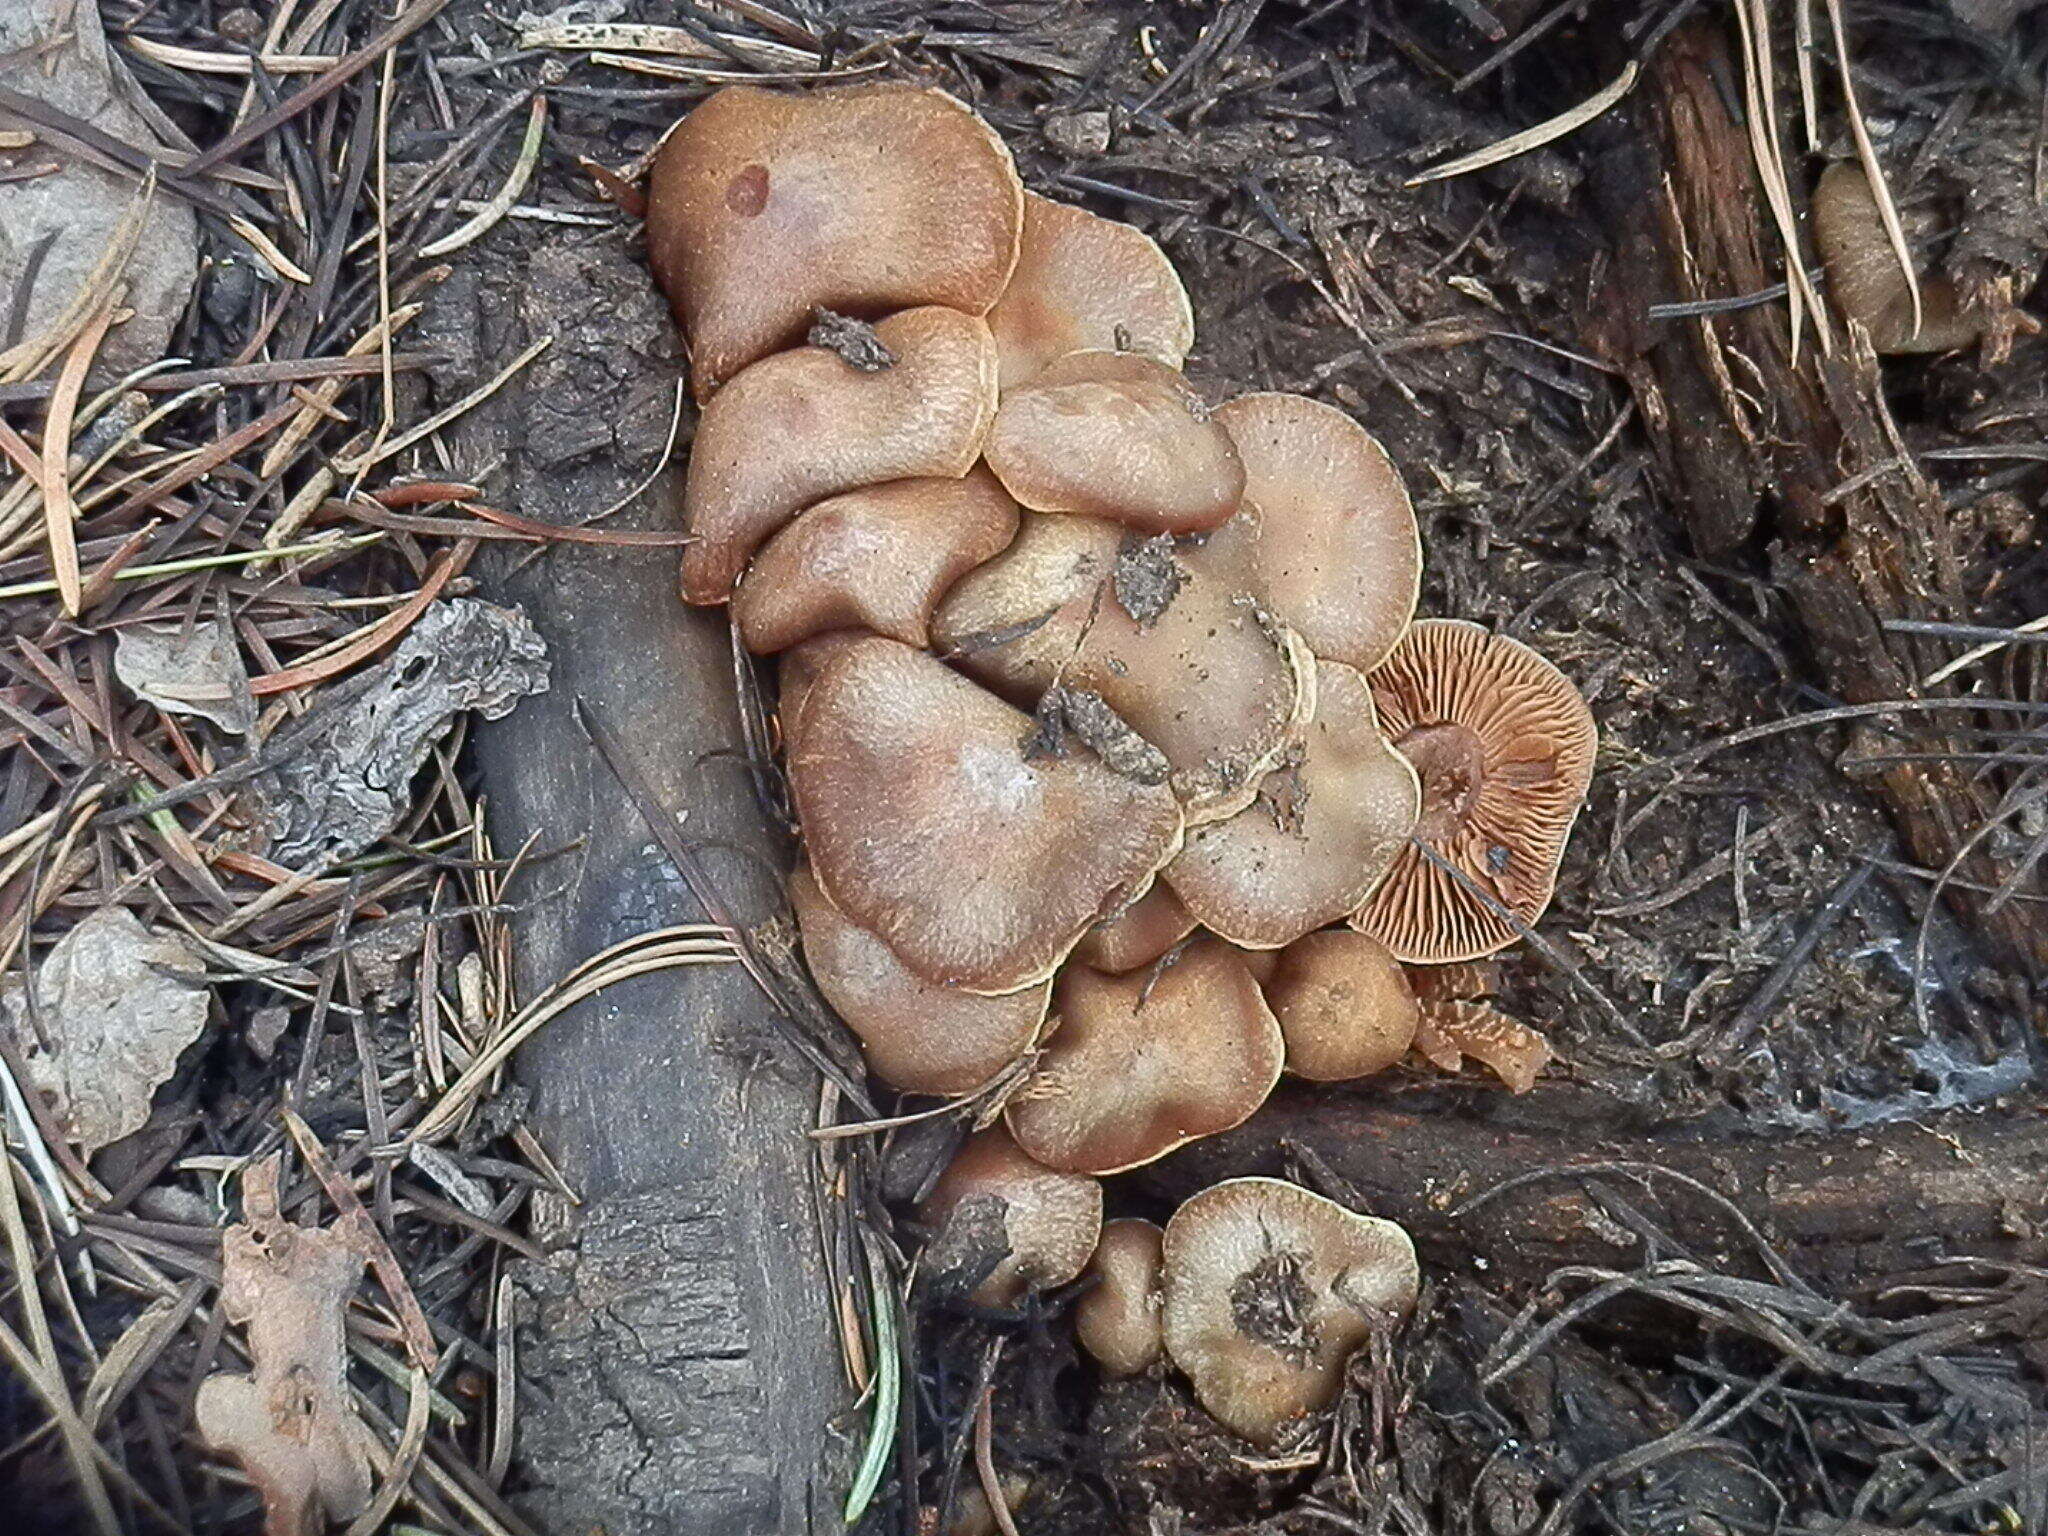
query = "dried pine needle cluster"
{"x": 1125, "y": 775}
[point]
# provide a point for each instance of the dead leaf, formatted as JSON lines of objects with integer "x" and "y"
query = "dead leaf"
{"x": 343, "y": 777}
{"x": 290, "y": 1424}
{"x": 116, "y": 1002}
{"x": 55, "y": 228}
{"x": 196, "y": 670}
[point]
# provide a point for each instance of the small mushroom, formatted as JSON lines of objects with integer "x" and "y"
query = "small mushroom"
{"x": 764, "y": 208}
{"x": 806, "y": 424}
{"x": 1334, "y": 551}
{"x": 1327, "y": 824}
{"x": 928, "y": 825}
{"x": 1085, "y": 283}
{"x": 878, "y": 559}
{"x": 1503, "y": 745}
{"x": 1134, "y": 1066}
{"x": 1344, "y": 1005}
{"x": 1447, "y": 1031}
{"x": 1003, "y": 1224}
{"x": 1268, "y": 1290}
{"x": 1116, "y": 435}
{"x": 1138, "y": 935}
{"x": 917, "y": 1037}
{"x": 1202, "y": 674}
{"x": 1118, "y": 1321}
{"x": 1865, "y": 277}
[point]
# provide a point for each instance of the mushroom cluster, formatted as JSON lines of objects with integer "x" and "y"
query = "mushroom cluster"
{"x": 1126, "y": 777}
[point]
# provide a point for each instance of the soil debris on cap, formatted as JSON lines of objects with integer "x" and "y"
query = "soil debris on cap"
{"x": 1086, "y": 716}
{"x": 1148, "y": 576}
{"x": 856, "y": 343}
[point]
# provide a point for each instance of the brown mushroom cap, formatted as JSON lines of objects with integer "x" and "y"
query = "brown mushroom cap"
{"x": 1116, "y": 435}
{"x": 917, "y": 1037}
{"x": 798, "y": 667}
{"x": 1087, "y": 283}
{"x": 1864, "y": 274}
{"x": 1326, "y": 826}
{"x": 1335, "y": 552}
{"x": 1118, "y": 1321}
{"x": 1504, "y": 747}
{"x": 1004, "y": 1224}
{"x": 806, "y": 424}
{"x": 878, "y": 558}
{"x": 1138, "y": 935}
{"x": 1264, "y": 964}
{"x": 1268, "y": 1290}
{"x": 1448, "y": 1031}
{"x": 1208, "y": 680}
{"x": 1015, "y": 621}
{"x": 1137, "y": 1065}
{"x": 1344, "y": 1005}
{"x": 763, "y": 208}
{"x": 928, "y": 826}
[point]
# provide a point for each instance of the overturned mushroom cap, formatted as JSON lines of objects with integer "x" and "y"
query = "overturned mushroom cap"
{"x": 1118, "y": 1321}
{"x": 928, "y": 826}
{"x": 1116, "y": 435}
{"x": 1334, "y": 549}
{"x": 806, "y": 424}
{"x": 1137, "y": 1065}
{"x": 1268, "y": 1290}
{"x": 1448, "y": 1031}
{"x": 1169, "y": 636}
{"x": 1344, "y": 1005}
{"x": 917, "y": 1037}
{"x": 1504, "y": 747}
{"x": 877, "y": 558}
{"x": 1003, "y": 1224}
{"x": 1865, "y": 277}
{"x": 763, "y": 208}
{"x": 1087, "y": 283}
{"x": 1138, "y": 935}
{"x": 1326, "y": 826}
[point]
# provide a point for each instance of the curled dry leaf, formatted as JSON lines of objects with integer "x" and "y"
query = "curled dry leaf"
{"x": 290, "y": 1423}
{"x": 189, "y": 671}
{"x": 115, "y": 1003}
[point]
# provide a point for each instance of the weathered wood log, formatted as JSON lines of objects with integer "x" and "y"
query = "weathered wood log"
{"x": 1847, "y": 1211}
{"x": 680, "y": 1366}
{"x": 1802, "y": 450}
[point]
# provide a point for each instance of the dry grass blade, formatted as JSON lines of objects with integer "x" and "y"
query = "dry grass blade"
{"x": 372, "y": 638}
{"x": 1866, "y": 153}
{"x": 43, "y": 1368}
{"x": 665, "y": 949}
{"x": 502, "y": 200}
{"x": 1759, "y": 85}
{"x": 1541, "y": 134}
{"x": 59, "y": 511}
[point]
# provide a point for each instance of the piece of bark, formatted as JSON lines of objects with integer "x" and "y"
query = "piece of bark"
{"x": 1750, "y": 439}
{"x": 680, "y": 1374}
{"x": 1846, "y": 1211}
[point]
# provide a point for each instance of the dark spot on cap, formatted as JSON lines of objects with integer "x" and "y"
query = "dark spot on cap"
{"x": 747, "y": 193}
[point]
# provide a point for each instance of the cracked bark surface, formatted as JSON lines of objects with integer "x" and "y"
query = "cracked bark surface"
{"x": 678, "y": 1370}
